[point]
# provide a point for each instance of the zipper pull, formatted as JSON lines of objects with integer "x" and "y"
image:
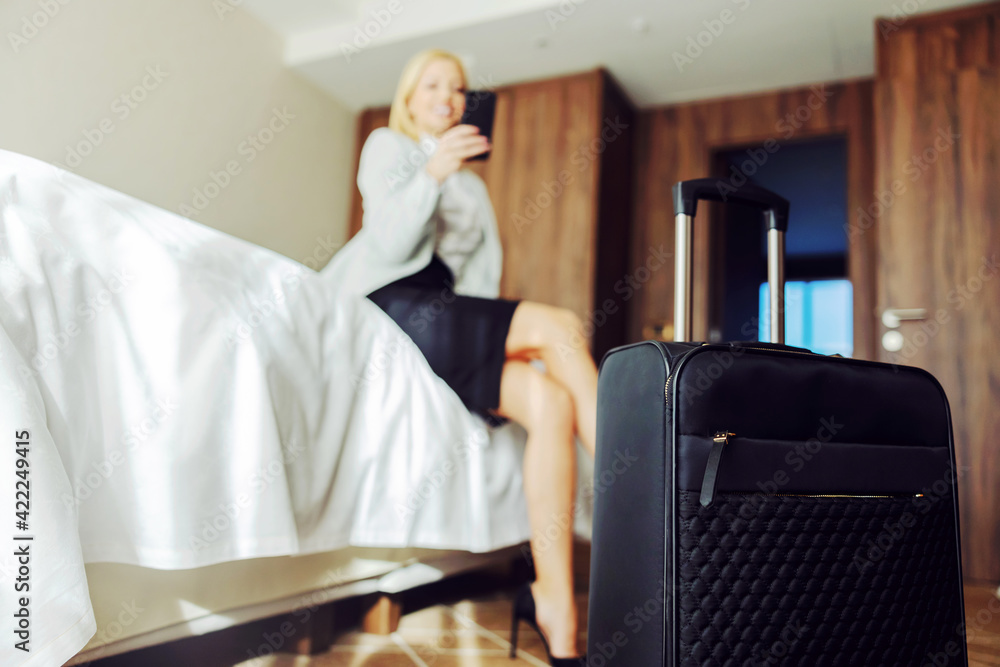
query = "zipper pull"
{"x": 719, "y": 441}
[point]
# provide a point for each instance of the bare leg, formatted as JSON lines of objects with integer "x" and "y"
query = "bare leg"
{"x": 545, "y": 409}
{"x": 555, "y": 335}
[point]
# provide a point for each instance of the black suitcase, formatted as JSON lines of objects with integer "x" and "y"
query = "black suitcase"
{"x": 783, "y": 507}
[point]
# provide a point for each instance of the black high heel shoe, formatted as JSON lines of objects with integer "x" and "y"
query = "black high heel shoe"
{"x": 524, "y": 610}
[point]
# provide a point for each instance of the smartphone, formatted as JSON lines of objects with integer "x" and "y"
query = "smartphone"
{"x": 480, "y": 106}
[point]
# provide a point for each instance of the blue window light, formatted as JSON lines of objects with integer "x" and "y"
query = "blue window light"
{"x": 818, "y": 316}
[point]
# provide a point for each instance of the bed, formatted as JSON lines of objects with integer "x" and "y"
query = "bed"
{"x": 190, "y": 411}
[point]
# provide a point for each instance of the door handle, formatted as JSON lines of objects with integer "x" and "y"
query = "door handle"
{"x": 893, "y": 317}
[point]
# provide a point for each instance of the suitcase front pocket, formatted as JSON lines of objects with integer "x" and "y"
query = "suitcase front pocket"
{"x": 786, "y": 468}
{"x": 828, "y": 579}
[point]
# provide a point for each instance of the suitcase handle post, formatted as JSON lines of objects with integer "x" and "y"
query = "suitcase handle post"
{"x": 775, "y": 211}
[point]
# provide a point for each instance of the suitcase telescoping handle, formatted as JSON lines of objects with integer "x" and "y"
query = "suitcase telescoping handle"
{"x": 775, "y": 211}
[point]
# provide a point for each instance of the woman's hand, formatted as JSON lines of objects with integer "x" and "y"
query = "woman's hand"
{"x": 454, "y": 147}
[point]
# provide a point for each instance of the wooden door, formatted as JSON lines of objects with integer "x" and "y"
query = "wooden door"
{"x": 937, "y": 209}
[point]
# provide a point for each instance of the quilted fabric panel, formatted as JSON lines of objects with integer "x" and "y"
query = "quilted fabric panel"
{"x": 798, "y": 580}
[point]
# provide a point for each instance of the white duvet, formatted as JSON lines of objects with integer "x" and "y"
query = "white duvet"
{"x": 190, "y": 398}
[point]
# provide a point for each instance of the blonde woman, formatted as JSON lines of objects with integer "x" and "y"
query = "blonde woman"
{"x": 429, "y": 255}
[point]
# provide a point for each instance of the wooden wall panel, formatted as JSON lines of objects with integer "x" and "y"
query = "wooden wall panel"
{"x": 938, "y": 144}
{"x": 614, "y": 230}
{"x": 677, "y": 142}
{"x": 548, "y": 239}
{"x": 368, "y": 120}
{"x": 934, "y": 43}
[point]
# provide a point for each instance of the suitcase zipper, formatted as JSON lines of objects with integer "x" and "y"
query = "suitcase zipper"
{"x": 768, "y": 349}
{"x": 719, "y": 442}
{"x": 666, "y": 386}
{"x": 822, "y": 495}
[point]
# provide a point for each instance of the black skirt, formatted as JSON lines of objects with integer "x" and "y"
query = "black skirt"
{"x": 463, "y": 338}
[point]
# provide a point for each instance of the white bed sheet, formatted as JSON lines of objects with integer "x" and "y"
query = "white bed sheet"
{"x": 193, "y": 398}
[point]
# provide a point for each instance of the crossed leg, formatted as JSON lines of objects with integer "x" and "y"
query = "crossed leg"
{"x": 554, "y": 335}
{"x": 551, "y": 406}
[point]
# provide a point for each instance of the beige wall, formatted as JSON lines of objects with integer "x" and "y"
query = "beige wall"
{"x": 196, "y": 87}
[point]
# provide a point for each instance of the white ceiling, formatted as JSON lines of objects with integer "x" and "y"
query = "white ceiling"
{"x": 759, "y": 45}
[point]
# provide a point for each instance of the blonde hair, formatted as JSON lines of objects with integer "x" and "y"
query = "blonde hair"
{"x": 400, "y": 119}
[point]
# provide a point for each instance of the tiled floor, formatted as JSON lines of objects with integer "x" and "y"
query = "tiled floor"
{"x": 476, "y": 633}
{"x": 982, "y": 620}
{"x": 469, "y": 633}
